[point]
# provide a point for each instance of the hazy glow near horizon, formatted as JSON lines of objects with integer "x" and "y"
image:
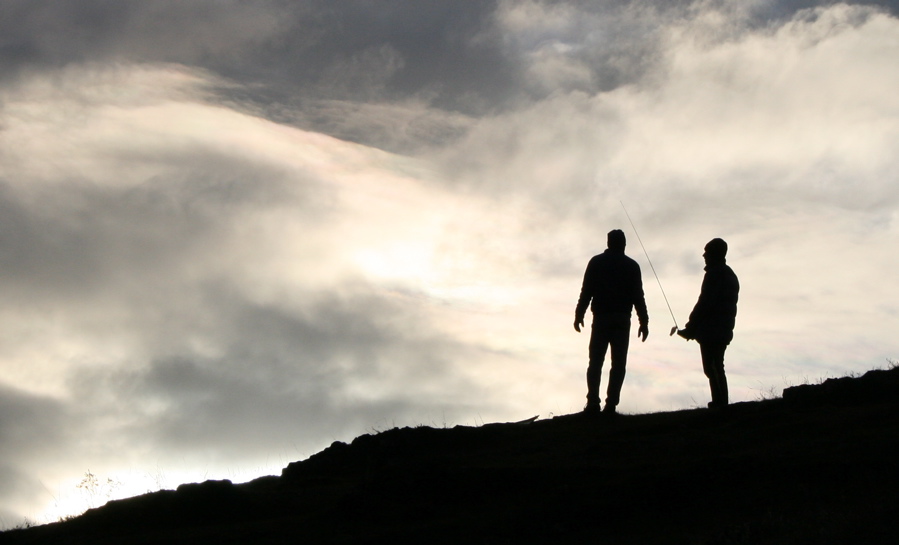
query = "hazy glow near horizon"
{"x": 216, "y": 259}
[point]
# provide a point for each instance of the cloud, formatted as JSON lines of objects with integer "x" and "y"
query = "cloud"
{"x": 741, "y": 131}
{"x": 260, "y": 378}
{"x": 410, "y": 127}
{"x": 183, "y": 278}
{"x": 356, "y": 70}
{"x": 713, "y": 111}
{"x": 32, "y": 429}
{"x": 44, "y": 35}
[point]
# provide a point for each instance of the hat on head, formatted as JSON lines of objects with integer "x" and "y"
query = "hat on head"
{"x": 716, "y": 248}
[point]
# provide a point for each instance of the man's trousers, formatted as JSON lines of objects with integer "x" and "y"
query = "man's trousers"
{"x": 608, "y": 331}
{"x": 713, "y": 367}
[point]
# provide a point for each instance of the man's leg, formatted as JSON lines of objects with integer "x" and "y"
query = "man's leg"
{"x": 619, "y": 336}
{"x": 713, "y": 367}
{"x": 599, "y": 343}
{"x": 722, "y": 378}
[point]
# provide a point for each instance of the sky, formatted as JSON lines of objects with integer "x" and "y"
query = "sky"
{"x": 233, "y": 232}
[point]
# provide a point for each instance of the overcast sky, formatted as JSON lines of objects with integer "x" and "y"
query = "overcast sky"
{"x": 234, "y": 232}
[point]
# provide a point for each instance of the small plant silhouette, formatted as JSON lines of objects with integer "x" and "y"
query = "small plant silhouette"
{"x": 95, "y": 491}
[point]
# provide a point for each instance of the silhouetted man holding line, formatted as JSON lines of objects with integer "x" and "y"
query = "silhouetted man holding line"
{"x": 614, "y": 284}
{"x": 711, "y": 323}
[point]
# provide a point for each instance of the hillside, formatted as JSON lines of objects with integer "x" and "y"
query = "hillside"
{"x": 816, "y": 466}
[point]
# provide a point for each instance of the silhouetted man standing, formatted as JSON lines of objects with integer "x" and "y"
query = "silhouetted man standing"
{"x": 614, "y": 284}
{"x": 711, "y": 323}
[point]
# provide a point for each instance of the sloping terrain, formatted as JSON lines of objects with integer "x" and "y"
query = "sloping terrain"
{"x": 817, "y": 466}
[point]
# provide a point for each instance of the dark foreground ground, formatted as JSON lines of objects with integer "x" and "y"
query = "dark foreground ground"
{"x": 817, "y": 466}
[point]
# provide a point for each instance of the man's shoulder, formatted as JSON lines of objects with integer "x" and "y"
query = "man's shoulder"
{"x": 614, "y": 260}
{"x": 629, "y": 262}
{"x": 732, "y": 275}
{"x": 724, "y": 269}
{"x": 723, "y": 273}
{"x": 600, "y": 258}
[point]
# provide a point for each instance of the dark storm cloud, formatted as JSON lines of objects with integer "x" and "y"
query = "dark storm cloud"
{"x": 323, "y": 49}
{"x": 47, "y": 34}
{"x": 395, "y": 74}
{"x": 286, "y": 57}
{"x": 313, "y": 63}
{"x": 454, "y": 53}
{"x": 764, "y": 13}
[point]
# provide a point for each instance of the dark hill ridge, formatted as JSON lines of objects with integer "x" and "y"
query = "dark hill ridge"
{"x": 816, "y": 466}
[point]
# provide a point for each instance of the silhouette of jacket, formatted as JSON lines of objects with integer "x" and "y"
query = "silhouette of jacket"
{"x": 614, "y": 284}
{"x": 715, "y": 313}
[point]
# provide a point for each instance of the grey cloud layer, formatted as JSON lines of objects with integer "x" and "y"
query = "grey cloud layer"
{"x": 258, "y": 378}
{"x": 312, "y": 63}
{"x": 346, "y": 50}
{"x": 32, "y": 430}
{"x": 71, "y": 238}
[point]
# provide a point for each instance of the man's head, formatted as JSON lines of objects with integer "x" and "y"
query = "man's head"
{"x": 715, "y": 250}
{"x": 616, "y": 240}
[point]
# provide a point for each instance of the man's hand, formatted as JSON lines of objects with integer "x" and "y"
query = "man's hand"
{"x": 577, "y": 324}
{"x": 643, "y": 331}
